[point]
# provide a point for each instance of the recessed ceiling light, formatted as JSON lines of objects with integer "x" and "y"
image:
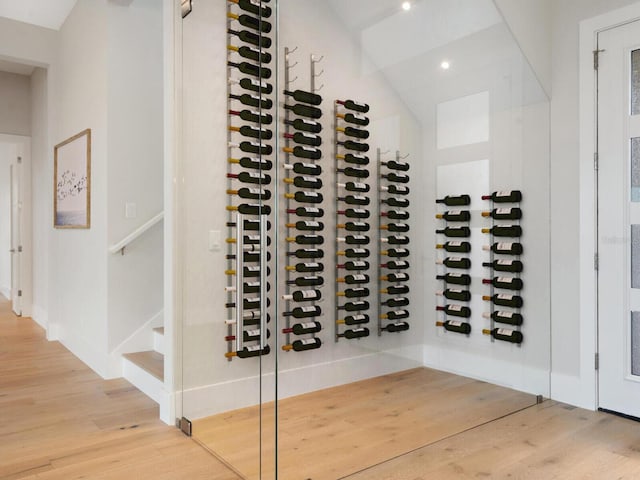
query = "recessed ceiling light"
{"x": 445, "y": 65}
{"x": 406, "y": 6}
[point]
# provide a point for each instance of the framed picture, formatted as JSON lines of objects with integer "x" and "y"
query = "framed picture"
{"x": 72, "y": 182}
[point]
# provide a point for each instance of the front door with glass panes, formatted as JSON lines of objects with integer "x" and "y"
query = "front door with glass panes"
{"x": 619, "y": 219}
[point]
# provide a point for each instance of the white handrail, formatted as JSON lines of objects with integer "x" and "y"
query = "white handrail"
{"x": 120, "y": 246}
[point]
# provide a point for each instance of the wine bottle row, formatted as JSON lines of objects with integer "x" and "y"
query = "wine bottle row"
{"x": 393, "y": 262}
{"x": 305, "y": 262}
{"x": 249, "y": 178}
{"x": 353, "y": 215}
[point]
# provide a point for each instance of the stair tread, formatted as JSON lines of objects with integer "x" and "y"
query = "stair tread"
{"x": 159, "y": 330}
{"x": 150, "y": 361}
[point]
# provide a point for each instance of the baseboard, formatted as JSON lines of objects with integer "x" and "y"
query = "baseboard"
{"x": 6, "y": 292}
{"x": 40, "y": 316}
{"x": 571, "y": 389}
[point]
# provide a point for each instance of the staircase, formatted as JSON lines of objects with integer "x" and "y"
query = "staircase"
{"x": 145, "y": 370}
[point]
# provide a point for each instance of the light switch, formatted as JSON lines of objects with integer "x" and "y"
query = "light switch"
{"x": 130, "y": 210}
{"x": 214, "y": 241}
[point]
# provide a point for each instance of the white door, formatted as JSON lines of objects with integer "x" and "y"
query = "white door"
{"x": 619, "y": 219}
{"x": 16, "y": 233}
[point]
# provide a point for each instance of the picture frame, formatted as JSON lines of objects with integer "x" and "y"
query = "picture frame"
{"x": 72, "y": 182}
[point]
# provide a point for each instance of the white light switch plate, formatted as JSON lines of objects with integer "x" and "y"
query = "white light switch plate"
{"x": 214, "y": 241}
{"x": 130, "y": 210}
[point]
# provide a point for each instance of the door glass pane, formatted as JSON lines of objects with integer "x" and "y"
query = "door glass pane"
{"x": 635, "y": 169}
{"x": 635, "y": 343}
{"x": 635, "y": 82}
{"x": 635, "y": 256}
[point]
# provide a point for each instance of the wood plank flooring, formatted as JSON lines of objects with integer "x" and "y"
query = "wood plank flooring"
{"x": 152, "y": 362}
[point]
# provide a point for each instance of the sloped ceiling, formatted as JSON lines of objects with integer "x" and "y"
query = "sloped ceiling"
{"x": 43, "y": 13}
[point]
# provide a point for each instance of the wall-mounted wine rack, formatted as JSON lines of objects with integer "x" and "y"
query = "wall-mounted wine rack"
{"x": 303, "y": 185}
{"x": 353, "y": 214}
{"x": 393, "y": 249}
{"x": 250, "y": 101}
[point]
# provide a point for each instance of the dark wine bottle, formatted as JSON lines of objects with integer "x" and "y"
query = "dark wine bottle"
{"x": 304, "y": 328}
{"x": 248, "y": 335}
{"x": 505, "y": 196}
{"x": 359, "y": 319}
{"x": 504, "y": 230}
{"x": 262, "y": 88}
{"x": 251, "y": 177}
{"x": 303, "y": 296}
{"x": 354, "y": 279}
{"x": 249, "y": 257}
{"x": 310, "y": 212}
{"x": 396, "y": 327}
{"x": 304, "y": 152}
{"x": 252, "y": 132}
{"x": 253, "y": 163}
{"x": 354, "y": 172}
{"x": 306, "y": 225}
{"x": 302, "y": 345}
{"x": 250, "y": 209}
{"x": 251, "y": 193}
{"x": 354, "y": 132}
{"x": 396, "y": 240}
{"x": 396, "y": 202}
{"x": 355, "y": 239}
{"x": 253, "y": 100}
{"x": 455, "y": 262}
{"x": 455, "y": 231}
{"x": 358, "y": 292}
{"x": 455, "y": 200}
{"x": 456, "y": 294}
{"x": 355, "y": 265}
{"x": 307, "y": 281}
{"x": 307, "y": 253}
{"x": 249, "y": 287}
{"x": 505, "y": 335}
{"x": 304, "y": 182}
{"x": 395, "y": 290}
{"x": 254, "y": 116}
{"x": 261, "y": 41}
{"x": 304, "y": 312}
{"x": 304, "y": 138}
{"x": 355, "y": 213}
{"x": 455, "y": 216}
{"x": 251, "y": 22}
{"x": 396, "y": 214}
{"x": 396, "y": 189}
{"x": 354, "y": 226}
{"x": 505, "y": 248}
{"x": 251, "y": 69}
{"x": 504, "y": 213}
{"x": 304, "y": 168}
{"x": 395, "y": 315}
{"x": 514, "y": 266}
{"x": 305, "y": 125}
{"x": 354, "y": 158}
{"x": 355, "y": 187}
{"x": 304, "y": 97}
{"x": 355, "y": 253}
{"x": 305, "y": 197}
{"x": 395, "y": 277}
{"x": 396, "y": 177}
{"x": 395, "y": 227}
{"x": 253, "y": 147}
{"x": 251, "y": 53}
{"x": 354, "y": 118}
{"x": 353, "y": 105}
{"x": 356, "y": 146}
{"x": 455, "y": 278}
{"x": 356, "y": 306}
{"x": 455, "y": 310}
{"x": 305, "y": 267}
{"x": 455, "y": 326}
{"x": 455, "y": 247}
{"x": 355, "y": 333}
{"x": 504, "y": 300}
{"x": 304, "y": 110}
{"x": 395, "y": 252}
{"x": 509, "y": 283}
{"x": 251, "y": 351}
{"x": 254, "y": 8}
{"x": 396, "y": 265}
{"x": 306, "y": 239}
{"x": 355, "y": 200}
{"x": 251, "y": 303}
{"x": 396, "y": 302}
{"x": 396, "y": 165}
{"x": 510, "y": 318}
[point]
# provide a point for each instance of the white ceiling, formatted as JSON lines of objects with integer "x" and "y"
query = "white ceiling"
{"x": 44, "y": 13}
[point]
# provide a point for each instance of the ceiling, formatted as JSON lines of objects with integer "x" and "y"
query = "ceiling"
{"x": 44, "y": 13}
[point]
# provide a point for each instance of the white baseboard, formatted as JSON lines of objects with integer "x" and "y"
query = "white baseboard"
{"x": 572, "y": 390}
{"x": 41, "y": 317}
{"x": 6, "y": 292}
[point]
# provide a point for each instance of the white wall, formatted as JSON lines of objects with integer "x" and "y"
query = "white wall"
{"x": 15, "y": 104}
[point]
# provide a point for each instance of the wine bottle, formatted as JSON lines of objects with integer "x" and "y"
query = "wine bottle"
{"x": 396, "y": 177}
{"x": 251, "y": 69}
{"x": 253, "y": 163}
{"x": 358, "y": 292}
{"x": 455, "y": 310}
{"x": 455, "y": 231}
{"x": 396, "y": 302}
{"x": 251, "y": 177}
{"x": 251, "y": 22}
{"x": 305, "y": 197}
{"x": 355, "y": 253}
{"x": 396, "y": 240}
{"x": 514, "y": 266}
{"x": 355, "y": 213}
{"x": 505, "y": 335}
{"x": 396, "y": 165}
{"x": 396, "y": 327}
{"x": 395, "y": 189}
{"x": 249, "y": 271}
{"x": 249, "y": 240}
{"x": 248, "y": 287}
{"x": 252, "y": 132}
{"x": 305, "y": 125}
{"x": 455, "y": 326}
{"x": 354, "y": 226}
{"x": 304, "y": 97}
{"x": 304, "y": 168}
{"x": 356, "y": 146}
{"x": 395, "y": 290}
{"x": 353, "y": 105}
{"x": 504, "y": 213}
{"x": 252, "y": 303}
{"x": 354, "y": 118}
{"x": 304, "y": 328}
{"x": 254, "y": 116}
{"x": 306, "y": 225}
{"x": 395, "y": 277}
{"x": 304, "y": 152}
{"x": 505, "y": 196}
{"x": 305, "y": 267}
{"x": 355, "y": 200}
{"x": 395, "y": 227}
{"x": 396, "y": 214}
{"x": 455, "y": 262}
{"x": 306, "y": 239}
{"x": 304, "y": 138}
{"x": 250, "y": 209}
{"x": 251, "y": 193}
{"x": 355, "y": 333}
{"x": 354, "y": 172}
{"x": 304, "y": 110}
{"x": 306, "y": 253}
{"x": 504, "y": 230}
{"x": 510, "y": 283}
{"x": 303, "y": 296}
{"x": 251, "y": 53}
{"x": 262, "y": 88}
{"x": 359, "y": 319}
{"x": 251, "y": 351}
{"x": 455, "y": 278}
{"x": 248, "y": 335}
{"x": 455, "y": 200}
{"x": 396, "y": 265}
{"x": 354, "y": 132}
{"x": 456, "y": 294}
{"x": 304, "y": 182}
{"x": 253, "y": 8}
{"x": 354, "y": 187}
{"x": 304, "y": 312}
{"x": 261, "y": 41}
{"x": 354, "y": 239}
{"x": 510, "y": 318}
{"x": 307, "y": 281}
{"x": 395, "y": 202}
{"x": 249, "y": 257}
{"x": 395, "y": 252}
{"x": 353, "y": 158}
{"x": 302, "y": 345}
{"x": 354, "y": 279}
{"x": 355, "y": 265}
{"x": 356, "y": 306}
{"x": 504, "y": 300}
{"x": 455, "y": 216}
{"x": 253, "y": 147}
{"x": 395, "y": 315}
{"x": 310, "y": 212}
{"x": 253, "y": 100}
{"x": 505, "y": 248}
{"x": 455, "y": 247}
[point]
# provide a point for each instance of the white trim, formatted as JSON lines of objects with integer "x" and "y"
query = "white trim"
{"x": 138, "y": 232}
{"x": 587, "y": 395}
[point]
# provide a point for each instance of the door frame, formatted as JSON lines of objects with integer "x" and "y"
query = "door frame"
{"x": 584, "y": 392}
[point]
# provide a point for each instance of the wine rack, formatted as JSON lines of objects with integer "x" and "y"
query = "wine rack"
{"x": 304, "y": 218}
{"x": 456, "y": 263}
{"x": 353, "y": 227}
{"x": 504, "y": 266}
{"x": 249, "y": 179}
{"x": 393, "y": 250}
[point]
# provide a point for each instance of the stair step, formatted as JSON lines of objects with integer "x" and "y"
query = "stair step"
{"x": 150, "y": 361}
